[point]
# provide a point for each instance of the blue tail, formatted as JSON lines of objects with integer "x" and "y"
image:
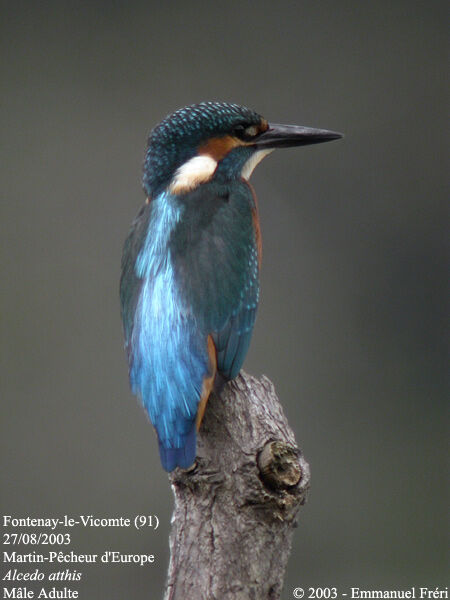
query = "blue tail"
{"x": 179, "y": 457}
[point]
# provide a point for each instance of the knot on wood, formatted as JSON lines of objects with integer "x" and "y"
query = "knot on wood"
{"x": 279, "y": 466}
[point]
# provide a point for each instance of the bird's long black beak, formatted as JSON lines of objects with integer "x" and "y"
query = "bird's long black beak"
{"x": 285, "y": 136}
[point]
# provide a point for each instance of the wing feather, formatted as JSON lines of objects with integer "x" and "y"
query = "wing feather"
{"x": 216, "y": 263}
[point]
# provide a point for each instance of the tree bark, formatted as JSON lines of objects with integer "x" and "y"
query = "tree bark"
{"x": 236, "y": 509}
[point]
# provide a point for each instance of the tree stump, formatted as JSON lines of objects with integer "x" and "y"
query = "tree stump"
{"x": 236, "y": 508}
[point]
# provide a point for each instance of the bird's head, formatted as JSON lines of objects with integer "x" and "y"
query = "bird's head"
{"x": 215, "y": 139}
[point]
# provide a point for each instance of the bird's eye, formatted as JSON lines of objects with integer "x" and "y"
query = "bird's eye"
{"x": 246, "y": 133}
{"x": 251, "y": 131}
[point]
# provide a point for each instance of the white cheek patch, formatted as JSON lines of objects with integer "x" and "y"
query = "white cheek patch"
{"x": 195, "y": 171}
{"x": 254, "y": 159}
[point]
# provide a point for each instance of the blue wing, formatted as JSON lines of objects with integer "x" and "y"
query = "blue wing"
{"x": 189, "y": 270}
{"x": 216, "y": 263}
{"x": 232, "y": 341}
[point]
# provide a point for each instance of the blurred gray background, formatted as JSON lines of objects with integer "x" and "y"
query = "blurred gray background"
{"x": 351, "y": 323}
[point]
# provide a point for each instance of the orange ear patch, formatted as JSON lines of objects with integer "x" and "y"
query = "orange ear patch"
{"x": 219, "y": 147}
{"x": 208, "y": 382}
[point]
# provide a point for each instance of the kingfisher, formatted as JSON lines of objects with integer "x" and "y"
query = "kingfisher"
{"x": 189, "y": 288}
